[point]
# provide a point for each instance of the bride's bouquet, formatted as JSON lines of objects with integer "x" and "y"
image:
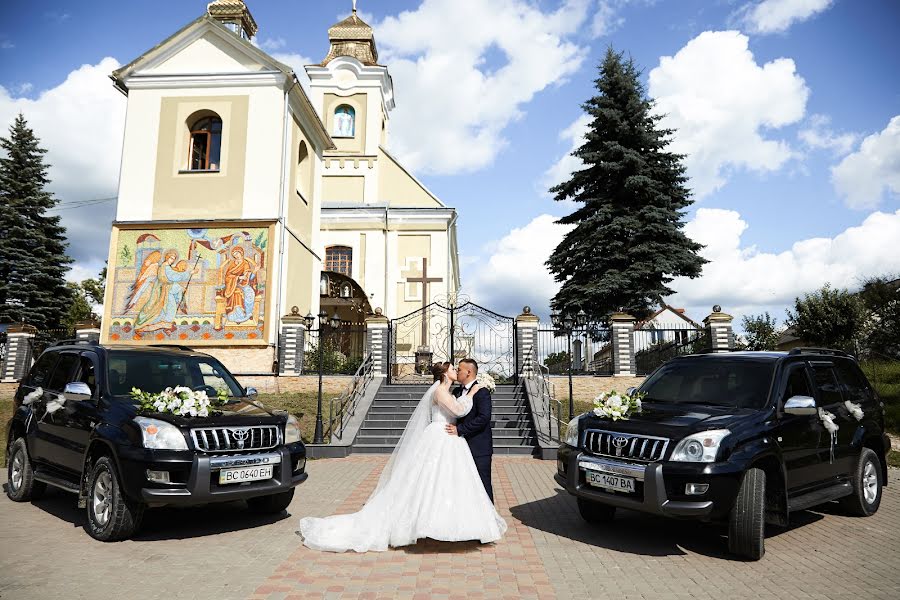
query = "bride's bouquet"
{"x": 485, "y": 380}
{"x": 615, "y": 405}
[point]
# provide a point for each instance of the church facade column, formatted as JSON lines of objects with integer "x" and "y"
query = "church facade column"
{"x": 292, "y": 344}
{"x": 526, "y": 342}
{"x": 622, "y": 334}
{"x": 19, "y": 353}
{"x": 378, "y": 343}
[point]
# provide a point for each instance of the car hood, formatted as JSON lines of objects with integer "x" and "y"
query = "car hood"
{"x": 244, "y": 412}
{"x": 672, "y": 421}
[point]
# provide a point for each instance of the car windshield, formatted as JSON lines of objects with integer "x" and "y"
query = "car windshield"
{"x": 151, "y": 372}
{"x": 717, "y": 382}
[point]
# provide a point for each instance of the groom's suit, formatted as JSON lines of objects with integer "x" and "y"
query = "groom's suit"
{"x": 475, "y": 427}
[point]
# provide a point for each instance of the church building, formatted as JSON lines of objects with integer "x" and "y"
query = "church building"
{"x": 245, "y": 196}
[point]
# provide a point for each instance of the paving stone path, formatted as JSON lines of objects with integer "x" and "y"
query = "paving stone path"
{"x": 548, "y": 552}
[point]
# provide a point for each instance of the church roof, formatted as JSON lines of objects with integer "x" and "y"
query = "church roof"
{"x": 234, "y": 9}
{"x": 352, "y": 37}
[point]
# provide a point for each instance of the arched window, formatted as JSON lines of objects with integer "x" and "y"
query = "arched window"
{"x": 206, "y": 143}
{"x": 339, "y": 259}
{"x": 302, "y": 177}
{"x": 344, "y": 121}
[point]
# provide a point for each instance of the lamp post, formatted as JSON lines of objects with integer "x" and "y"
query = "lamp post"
{"x": 318, "y": 436}
{"x": 566, "y": 323}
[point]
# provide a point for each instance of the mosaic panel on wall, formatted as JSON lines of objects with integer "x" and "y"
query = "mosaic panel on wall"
{"x": 191, "y": 286}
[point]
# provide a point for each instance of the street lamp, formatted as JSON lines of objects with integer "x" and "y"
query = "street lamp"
{"x": 566, "y": 323}
{"x": 318, "y": 436}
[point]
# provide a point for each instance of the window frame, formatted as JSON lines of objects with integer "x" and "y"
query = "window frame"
{"x": 193, "y": 131}
{"x": 329, "y": 263}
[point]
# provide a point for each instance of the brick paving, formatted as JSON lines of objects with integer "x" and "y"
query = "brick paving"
{"x": 548, "y": 552}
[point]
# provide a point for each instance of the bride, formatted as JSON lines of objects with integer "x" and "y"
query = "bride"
{"x": 430, "y": 487}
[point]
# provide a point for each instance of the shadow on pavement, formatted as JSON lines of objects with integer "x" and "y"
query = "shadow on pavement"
{"x": 166, "y": 523}
{"x": 637, "y": 533}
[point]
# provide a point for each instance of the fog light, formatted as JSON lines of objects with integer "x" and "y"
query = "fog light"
{"x": 301, "y": 464}
{"x": 696, "y": 489}
{"x": 158, "y": 476}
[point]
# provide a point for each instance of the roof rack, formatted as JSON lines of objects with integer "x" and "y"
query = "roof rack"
{"x": 178, "y": 346}
{"x": 72, "y": 342}
{"x": 828, "y": 351}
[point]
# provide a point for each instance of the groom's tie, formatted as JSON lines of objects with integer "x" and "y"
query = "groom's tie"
{"x": 458, "y": 391}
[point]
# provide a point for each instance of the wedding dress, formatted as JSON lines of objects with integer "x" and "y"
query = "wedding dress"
{"x": 430, "y": 488}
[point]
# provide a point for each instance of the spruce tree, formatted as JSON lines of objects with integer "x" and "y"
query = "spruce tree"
{"x": 628, "y": 242}
{"x": 33, "y": 260}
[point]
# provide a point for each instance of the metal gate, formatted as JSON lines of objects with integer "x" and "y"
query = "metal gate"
{"x": 440, "y": 333}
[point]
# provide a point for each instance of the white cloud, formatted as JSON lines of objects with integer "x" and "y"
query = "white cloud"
{"x": 607, "y": 19}
{"x": 563, "y": 168}
{"x": 776, "y": 16}
{"x": 80, "y": 122}
{"x": 863, "y": 177}
{"x": 818, "y": 135}
{"x": 746, "y": 280}
{"x": 453, "y": 104}
{"x": 272, "y": 44}
{"x": 514, "y": 274}
{"x": 722, "y": 104}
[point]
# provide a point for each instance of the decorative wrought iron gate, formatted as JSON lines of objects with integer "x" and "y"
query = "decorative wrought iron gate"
{"x": 440, "y": 333}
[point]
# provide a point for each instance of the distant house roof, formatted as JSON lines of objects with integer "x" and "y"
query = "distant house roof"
{"x": 679, "y": 312}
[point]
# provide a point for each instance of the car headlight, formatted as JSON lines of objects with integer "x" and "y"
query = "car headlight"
{"x": 159, "y": 435}
{"x": 572, "y": 433}
{"x": 292, "y": 430}
{"x": 701, "y": 447}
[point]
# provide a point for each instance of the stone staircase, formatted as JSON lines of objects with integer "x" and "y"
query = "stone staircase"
{"x": 513, "y": 429}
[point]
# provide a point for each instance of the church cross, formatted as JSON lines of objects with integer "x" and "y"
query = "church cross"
{"x": 424, "y": 280}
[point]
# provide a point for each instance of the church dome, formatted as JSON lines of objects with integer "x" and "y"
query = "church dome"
{"x": 352, "y": 37}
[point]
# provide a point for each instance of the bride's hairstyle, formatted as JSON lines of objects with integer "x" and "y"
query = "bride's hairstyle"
{"x": 439, "y": 370}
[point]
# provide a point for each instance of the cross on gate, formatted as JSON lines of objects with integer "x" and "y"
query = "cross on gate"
{"x": 424, "y": 280}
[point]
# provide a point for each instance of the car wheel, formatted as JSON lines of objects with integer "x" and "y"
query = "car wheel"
{"x": 867, "y": 484}
{"x": 595, "y": 512}
{"x": 271, "y": 505}
{"x": 20, "y": 483}
{"x": 110, "y": 515}
{"x": 746, "y": 525}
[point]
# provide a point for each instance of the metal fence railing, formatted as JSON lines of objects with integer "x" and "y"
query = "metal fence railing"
{"x": 44, "y": 338}
{"x": 344, "y": 406}
{"x": 341, "y": 350}
{"x": 653, "y": 347}
{"x": 590, "y": 352}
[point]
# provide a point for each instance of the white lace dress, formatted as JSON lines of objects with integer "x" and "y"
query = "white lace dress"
{"x": 430, "y": 489}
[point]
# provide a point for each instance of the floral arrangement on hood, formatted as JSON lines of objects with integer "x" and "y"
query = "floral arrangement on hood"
{"x": 616, "y": 405}
{"x": 180, "y": 400}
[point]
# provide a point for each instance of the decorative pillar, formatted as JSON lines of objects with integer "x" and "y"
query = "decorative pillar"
{"x": 18, "y": 359}
{"x": 526, "y": 342}
{"x": 377, "y": 326}
{"x": 577, "y": 356}
{"x": 718, "y": 325}
{"x": 87, "y": 331}
{"x": 291, "y": 344}
{"x": 622, "y": 334}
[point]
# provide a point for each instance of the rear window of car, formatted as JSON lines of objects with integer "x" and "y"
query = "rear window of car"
{"x": 150, "y": 372}
{"x": 707, "y": 381}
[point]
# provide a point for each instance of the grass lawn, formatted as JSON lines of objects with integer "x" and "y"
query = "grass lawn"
{"x": 894, "y": 459}
{"x": 885, "y": 376}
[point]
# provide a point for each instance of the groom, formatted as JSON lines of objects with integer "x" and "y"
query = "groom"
{"x": 475, "y": 426}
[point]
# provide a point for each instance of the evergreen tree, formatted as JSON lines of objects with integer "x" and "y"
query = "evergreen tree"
{"x": 627, "y": 244}
{"x": 33, "y": 259}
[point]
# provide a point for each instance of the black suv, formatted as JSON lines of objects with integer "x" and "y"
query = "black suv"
{"x": 734, "y": 437}
{"x": 120, "y": 461}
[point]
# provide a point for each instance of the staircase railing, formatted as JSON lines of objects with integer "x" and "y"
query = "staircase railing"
{"x": 539, "y": 377}
{"x": 349, "y": 399}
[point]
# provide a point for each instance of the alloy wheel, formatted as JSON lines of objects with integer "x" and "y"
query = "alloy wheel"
{"x": 17, "y": 471}
{"x": 870, "y": 482}
{"x": 102, "y": 498}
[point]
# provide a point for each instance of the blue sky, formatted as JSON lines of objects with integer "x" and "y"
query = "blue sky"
{"x": 784, "y": 107}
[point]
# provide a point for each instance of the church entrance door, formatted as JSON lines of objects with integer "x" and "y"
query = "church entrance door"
{"x": 439, "y": 333}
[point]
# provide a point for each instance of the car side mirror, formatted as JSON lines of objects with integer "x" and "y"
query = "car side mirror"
{"x": 800, "y": 405}
{"x": 251, "y": 392}
{"x": 631, "y": 390}
{"x": 77, "y": 390}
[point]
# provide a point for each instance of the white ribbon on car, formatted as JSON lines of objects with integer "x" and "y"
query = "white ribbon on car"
{"x": 52, "y": 405}
{"x": 827, "y": 419}
{"x": 854, "y": 409}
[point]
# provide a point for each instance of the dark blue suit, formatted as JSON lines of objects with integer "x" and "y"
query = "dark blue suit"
{"x": 475, "y": 427}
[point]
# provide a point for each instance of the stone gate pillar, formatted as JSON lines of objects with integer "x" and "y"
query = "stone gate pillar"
{"x": 377, "y": 343}
{"x": 526, "y": 342}
{"x": 622, "y": 340}
{"x": 18, "y": 358}
{"x": 291, "y": 344}
{"x": 87, "y": 331}
{"x": 718, "y": 325}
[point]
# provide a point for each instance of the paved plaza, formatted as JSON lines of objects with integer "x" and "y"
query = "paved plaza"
{"x": 548, "y": 552}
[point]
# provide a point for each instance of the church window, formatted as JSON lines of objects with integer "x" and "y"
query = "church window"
{"x": 344, "y": 121}
{"x": 206, "y": 144}
{"x": 302, "y": 171}
{"x": 339, "y": 259}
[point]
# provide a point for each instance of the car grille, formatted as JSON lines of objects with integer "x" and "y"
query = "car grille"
{"x": 234, "y": 439}
{"x": 625, "y": 445}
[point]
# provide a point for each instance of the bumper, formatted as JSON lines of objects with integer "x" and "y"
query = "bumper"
{"x": 196, "y": 477}
{"x": 660, "y": 487}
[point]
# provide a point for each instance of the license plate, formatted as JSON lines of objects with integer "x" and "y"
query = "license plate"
{"x": 610, "y": 482}
{"x": 245, "y": 474}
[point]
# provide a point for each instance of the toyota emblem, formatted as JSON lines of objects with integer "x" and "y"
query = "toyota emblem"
{"x": 618, "y": 443}
{"x": 240, "y": 436}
